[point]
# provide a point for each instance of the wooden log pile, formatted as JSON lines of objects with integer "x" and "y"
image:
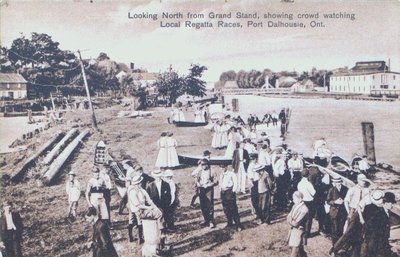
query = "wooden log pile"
{"x": 60, "y": 146}
{"x": 19, "y": 173}
{"x": 58, "y": 163}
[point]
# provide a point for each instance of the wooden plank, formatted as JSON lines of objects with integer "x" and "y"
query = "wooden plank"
{"x": 18, "y": 174}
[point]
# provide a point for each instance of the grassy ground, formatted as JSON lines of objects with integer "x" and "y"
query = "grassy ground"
{"x": 47, "y": 233}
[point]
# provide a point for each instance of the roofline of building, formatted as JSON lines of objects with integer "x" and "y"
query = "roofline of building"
{"x": 363, "y": 73}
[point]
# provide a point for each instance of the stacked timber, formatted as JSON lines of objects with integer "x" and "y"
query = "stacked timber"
{"x": 18, "y": 174}
{"x": 60, "y": 146}
{"x": 57, "y": 164}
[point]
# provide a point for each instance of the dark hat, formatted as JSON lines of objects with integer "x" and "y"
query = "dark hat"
{"x": 205, "y": 162}
{"x": 206, "y": 153}
{"x": 389, "y": 197}
{"x": 91, "y": 211}
{"x": 305, "y": 172}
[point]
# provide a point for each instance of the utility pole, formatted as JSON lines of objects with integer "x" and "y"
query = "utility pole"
{"x": 94, "y": 122}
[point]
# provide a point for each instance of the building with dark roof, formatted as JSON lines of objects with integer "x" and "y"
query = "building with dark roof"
{"x": 12, "y": 86}
{"x": 368, "y": 78}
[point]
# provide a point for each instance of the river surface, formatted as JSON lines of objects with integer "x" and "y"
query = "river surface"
{"x": 339, "y": 121}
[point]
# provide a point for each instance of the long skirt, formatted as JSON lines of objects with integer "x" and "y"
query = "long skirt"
{"x": 162, "y": 158}
{"x": 216, "y": 140}
{"x": 230, "y": 149}
{"x": 172, "y": 159}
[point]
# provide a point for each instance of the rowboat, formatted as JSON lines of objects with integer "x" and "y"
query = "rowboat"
{"x": 193, "y": 160}
{"x": 189, "y": 124}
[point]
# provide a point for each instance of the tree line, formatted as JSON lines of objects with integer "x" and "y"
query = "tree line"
{"x": 47, "y": 68}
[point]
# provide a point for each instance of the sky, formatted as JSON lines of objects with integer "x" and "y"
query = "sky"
{"x": 104, "y": 26}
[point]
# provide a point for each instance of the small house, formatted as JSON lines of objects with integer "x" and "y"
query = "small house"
{"x": 12, "y": 86}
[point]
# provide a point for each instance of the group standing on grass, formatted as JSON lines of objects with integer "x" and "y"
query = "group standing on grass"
{"x": 356, "y": 219}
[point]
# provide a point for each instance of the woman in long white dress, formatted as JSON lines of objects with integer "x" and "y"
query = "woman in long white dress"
{"x": 181, "y": 115}
{"x": 224, "y": 134}
{"x": 232, "y": 137}
{"x": 162, "y": 157}
{"x": 198, "y": 117}
{"x": 172, "y": 159}
{"x": 216, "y": 140}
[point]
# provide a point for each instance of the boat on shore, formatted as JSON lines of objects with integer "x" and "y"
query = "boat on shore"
{"x": 193, "y": 160}
{"x": 189, "y": 124}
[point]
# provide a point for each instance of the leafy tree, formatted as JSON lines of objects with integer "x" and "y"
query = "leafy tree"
{"x": 193, "y": 85}
{"x": 171, "y": 85}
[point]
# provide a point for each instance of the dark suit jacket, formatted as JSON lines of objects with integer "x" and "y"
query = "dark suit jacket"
{"x": 102, "y": 243}
{"x": 165, "y": 199}
{"x": 236, "y": 160}
{"x": 333, "y": 195}
{"x": 146, "y": 180}
{"x": 12, "y": 241}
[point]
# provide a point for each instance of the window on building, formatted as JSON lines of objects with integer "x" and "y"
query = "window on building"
{"x": 394, "y": 87}
{"x": 19, "y": 85}
{"x": 8, "y": 86}
{"x": 394, "y": 77}
{"x": 19, "y": 94}
{"x": 383, "y": 78}
{"x": 373, "y": 76}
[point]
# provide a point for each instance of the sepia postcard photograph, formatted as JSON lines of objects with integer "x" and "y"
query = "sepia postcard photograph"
{"x": 220, "y": 128}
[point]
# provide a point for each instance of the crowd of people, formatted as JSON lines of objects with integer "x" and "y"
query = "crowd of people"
{"x": 356, "y": 219}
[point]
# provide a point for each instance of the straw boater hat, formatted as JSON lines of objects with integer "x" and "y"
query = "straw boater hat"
{"x": 377, "y": 197}
{"x": 168, "y": 173}
{"x": 136, "y": 179}
{"x": 156, "y": 173}
{"x": 72, "y": 173}
{"x": 337, "y": 180}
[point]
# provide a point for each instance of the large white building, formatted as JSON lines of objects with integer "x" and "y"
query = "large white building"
{"x": 369, "y": 78}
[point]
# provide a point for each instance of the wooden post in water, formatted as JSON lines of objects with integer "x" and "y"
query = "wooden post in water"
{"x": 368, "y": 139}
{"x": 235, "y": 105}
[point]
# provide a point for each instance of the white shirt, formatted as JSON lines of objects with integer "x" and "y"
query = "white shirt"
{"x": 295, "y": 165}
{"x": 363, "y": 165}
{"x": 264, "y": 158}
{"x": 228, "y": 180}
{"x": 9, "y": 220}
{"x": 307, "y": 189}
{"x": 354, "y": 196}
{"x": 250, "y": 148}
{"x": 106, "y": 178}
{"x": 251, "y": 174}
{"x": 173, "y": 190}
{"x": 279, "y": 168}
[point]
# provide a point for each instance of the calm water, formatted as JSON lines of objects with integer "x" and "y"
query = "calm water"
{"x": 339, "y": 121}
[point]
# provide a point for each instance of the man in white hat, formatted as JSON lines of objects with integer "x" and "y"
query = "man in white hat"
{"x": 206, "y": 180}
{"x": 308, "y": 191}
{"x": 295, "y": 166}
{"x": 94, "y": 194}
{"x": 253, "y": 177}
{"x": 141, "y": 205}
{"x": 159, "y": 191}
{"x": 351, "y": 237}
{"x": 73, "y": 189}
{"x": 297, "y": 219}
{"x": 170, "y": 211}
{"x": 377, "y": 228}
{"x": 228, "y": 184}
{"x": 265, "y": 189}
{"x": 337, "y": 211}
